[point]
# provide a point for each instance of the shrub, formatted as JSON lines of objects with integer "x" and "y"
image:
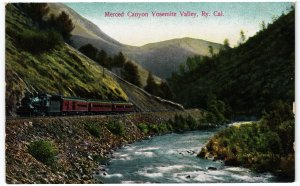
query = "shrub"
{"x": 143, "y": 127}
{"x": 116, "y": 127}
{"x": 180, "y": 124}
{"x": 163, "y": 127}
{"x": 38, "y": 41}
{"x": 154, "y": 128}
{"x": 279, "y": 111}
{"x": 89, "y": 50}
{"x": 94, "y": 130}
{"x": 286, "y": 132}
{"x": 44, "y": 151}
{"x": 192, "y": 123}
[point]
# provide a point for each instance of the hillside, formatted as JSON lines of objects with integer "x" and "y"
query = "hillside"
{"x": 247, "y": 79}
{"x": 58, "y": 70}
{"x": 85, "y": 28}
{"x": 162, "y": 58}
{"x": 86, "y": 32}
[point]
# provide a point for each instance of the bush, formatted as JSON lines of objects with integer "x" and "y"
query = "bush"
{"x": 154, "y": 128}
{"x": 94, "y": 130}
{"x": 116, "y": 127}
{"x": 44, "y": 151}
{"x": 143, "y": 127}
{"x": 192, "y": 123}
{"x": 286, "y": 132}
{"x": 279, "y": 112}
{"x": 89, "y": 50}
{"x": 258, "y": 146}
{"x": 163, "y": 127}
{"x": 38, "y": 41}
{"x": 179, "y": 124}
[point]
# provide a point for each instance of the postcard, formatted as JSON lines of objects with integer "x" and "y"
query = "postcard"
{"x": 149, "y": 92}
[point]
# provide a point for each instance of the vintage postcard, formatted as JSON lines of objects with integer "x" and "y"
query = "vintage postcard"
{"x": 149, "y": 92}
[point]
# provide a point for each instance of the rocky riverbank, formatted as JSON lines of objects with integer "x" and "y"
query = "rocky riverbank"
{"x": 82, "y": 143}
{"x": 256, "y": 146}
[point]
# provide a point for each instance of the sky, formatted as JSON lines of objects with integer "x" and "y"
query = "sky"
{"x": 139, "y": 31}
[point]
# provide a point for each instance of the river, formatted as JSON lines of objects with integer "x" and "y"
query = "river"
{"x": 172, "y": 158}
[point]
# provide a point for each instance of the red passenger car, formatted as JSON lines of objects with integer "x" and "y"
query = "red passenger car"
{"x": 99, "y": 106}
{"x": 74, "y": 105}
{"x": 123, "y": 107}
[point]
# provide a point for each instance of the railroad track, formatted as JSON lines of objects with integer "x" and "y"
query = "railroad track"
{"x": 83, "y": 116}
{"x": 65, "y": 116}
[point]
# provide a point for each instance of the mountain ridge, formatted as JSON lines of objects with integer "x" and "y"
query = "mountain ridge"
{"x": 167, "y": 60}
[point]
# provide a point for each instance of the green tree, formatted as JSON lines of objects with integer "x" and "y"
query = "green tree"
{"x": 226, "y": 43}
{"x": 242, "y": 37}
{"x": 89, "y": 50}
{"x": 211, "y": 51}
{"x": 130, "y": 73}
{"x": 102, "y": 59}
{"x": 165, "y": 91}
{"x": 262, "y": 25}
{"x": 151, "y": 86}
{"x": 119, "y": 60}
{"x": 191, "y": 64}
{"x": 63, "y": 24}
{"x": 109, "y": 62}
{"x": 181, "y": 69}
{"x": 37, "y": 11}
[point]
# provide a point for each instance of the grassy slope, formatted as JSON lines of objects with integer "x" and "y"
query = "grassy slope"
{"x": 61, "y": 70}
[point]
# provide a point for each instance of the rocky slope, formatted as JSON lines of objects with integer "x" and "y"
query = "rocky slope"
{"x": 80, "y": 152}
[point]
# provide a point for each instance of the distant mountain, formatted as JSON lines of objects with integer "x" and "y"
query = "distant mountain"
{"x": 161, "y": 58}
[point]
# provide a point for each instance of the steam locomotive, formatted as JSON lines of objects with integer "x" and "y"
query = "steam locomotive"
{"x": 45, "y": 104}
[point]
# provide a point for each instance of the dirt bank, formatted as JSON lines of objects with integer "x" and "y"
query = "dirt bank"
{"x": 79, "y": 151}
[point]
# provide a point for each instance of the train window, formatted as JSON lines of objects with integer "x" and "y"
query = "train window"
{"x": 105, "y": 106}
{"x": 81, "y": 105}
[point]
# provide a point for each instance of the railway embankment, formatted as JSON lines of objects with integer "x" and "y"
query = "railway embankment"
{"x": 72, "y": 149}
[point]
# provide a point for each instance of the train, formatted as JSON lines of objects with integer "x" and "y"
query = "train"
{"x": 43, "y": 104}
